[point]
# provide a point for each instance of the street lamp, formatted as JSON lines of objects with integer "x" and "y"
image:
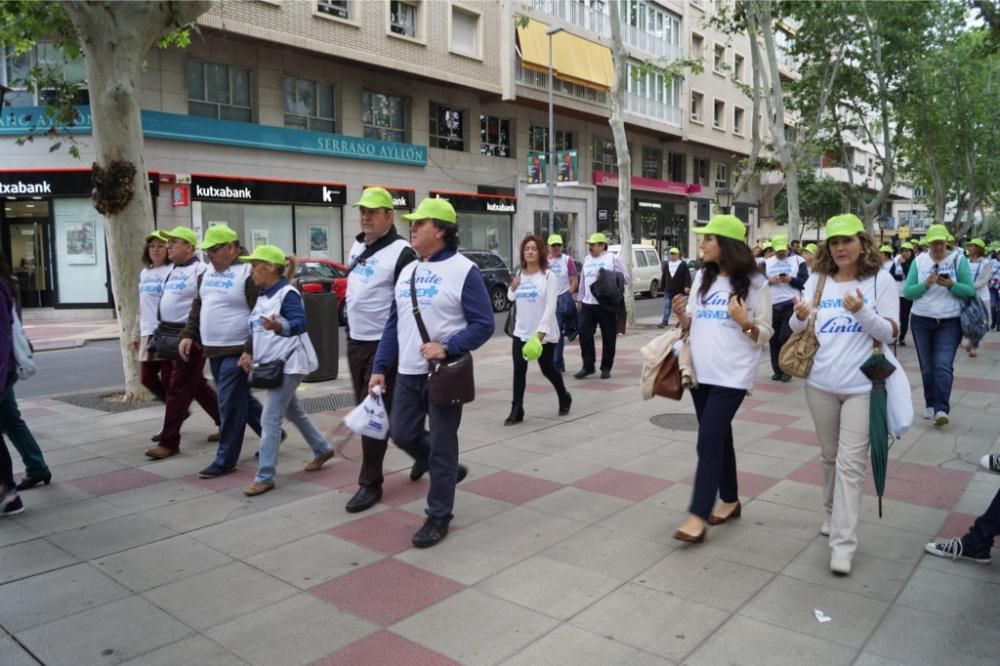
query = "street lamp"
{"x": 550, "y": 176}
{"x": 725, "y": 198}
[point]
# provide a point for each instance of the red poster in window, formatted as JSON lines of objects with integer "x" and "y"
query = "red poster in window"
{"x": 181, "y": 195}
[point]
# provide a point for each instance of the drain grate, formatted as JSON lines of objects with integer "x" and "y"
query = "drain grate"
{"x": 327, "y": 403}
{"x": 687, "y": 422}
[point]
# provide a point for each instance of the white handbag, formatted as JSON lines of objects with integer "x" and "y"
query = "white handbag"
{"x": 899, "y": 399}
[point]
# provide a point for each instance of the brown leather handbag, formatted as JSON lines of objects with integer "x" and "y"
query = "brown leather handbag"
{"x": 668, "y": 379}
{"x": 797, "y": 354}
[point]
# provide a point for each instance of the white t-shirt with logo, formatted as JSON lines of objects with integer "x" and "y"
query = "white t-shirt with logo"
{"x": 150, "y": 289}
{"x": 937, "y": 302}
{"x": 536, "y": 298}
{"x": 296, "y": 350}
{"x": 369, "y": 290}
{"x": 179, "y": 291}
{"x": 224, "y": 308}
{"x": 591, "y": 269}
{"x": 843, "y": 343}
{"x": 722, "y": 354}
{"x": 773, "y": 267}
{"x": 560, "y": 268}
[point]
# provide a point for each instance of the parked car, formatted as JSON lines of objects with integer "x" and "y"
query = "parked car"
{"x": 646, "y": 268}
{"x": 321, "y": 276}
{"x": 496, "y": 275}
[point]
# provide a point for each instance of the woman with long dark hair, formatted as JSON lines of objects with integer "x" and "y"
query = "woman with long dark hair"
{"x": 729, "y": 322}
{"x": 10, "y": 418}
{"x": 535, "y": 293}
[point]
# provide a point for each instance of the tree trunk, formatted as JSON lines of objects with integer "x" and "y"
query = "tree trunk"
{"x": 115, "y": 37}
{"x": 617, "y": 122}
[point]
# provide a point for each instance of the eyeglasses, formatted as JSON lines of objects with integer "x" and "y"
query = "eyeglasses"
{"x": 216, "y": 248}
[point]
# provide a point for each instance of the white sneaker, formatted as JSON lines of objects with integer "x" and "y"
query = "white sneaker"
{"x": 825, "y": 528}
{"x": 940, "y": 419}
{"x": 929, "y": 413}
{"x": 991, "y": 462}
{"x": 840, "y": 566}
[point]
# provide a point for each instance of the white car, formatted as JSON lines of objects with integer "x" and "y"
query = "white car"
{"x": 646, "y": 268}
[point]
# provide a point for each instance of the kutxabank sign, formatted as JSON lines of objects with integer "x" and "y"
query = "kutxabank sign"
{"x": 18, "y": 121}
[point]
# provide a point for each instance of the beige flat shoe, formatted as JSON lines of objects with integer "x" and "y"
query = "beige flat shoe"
{"x": 316, "y": 463}
{"x": 257, "y": 488}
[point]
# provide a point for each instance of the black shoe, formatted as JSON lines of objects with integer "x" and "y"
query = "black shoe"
{"x": 776, "y": 377}
{"x": 605, "y": 374}
{"x": 284, "y": 435}
{"x": 365, "y": 498}
{"x": 31, "y": 481}
{"x": 564, "y": 404}
{"x": 955, "y": 549}
{"x": 583, "y": 372}
{"x": 561, "y": 368}
{"x": 213, "y": 471}
{"x": 418, "y": 470}
{"x": 14, "y": 507}
{"x": 463, "y": 472}
{"x": 434, "y": 530}
{"x": 155, "y": 438}
{"x": 786, "y": 378}
{"x": 902, "y": 343}
{"x": 516, "y": 415}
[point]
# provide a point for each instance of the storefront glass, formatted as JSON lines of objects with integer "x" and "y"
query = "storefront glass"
{"x": 81, "y": 261}
{"x": 484, "y": 231}
{"x": 319, "y": 232}
{"x": 255, "y": 224}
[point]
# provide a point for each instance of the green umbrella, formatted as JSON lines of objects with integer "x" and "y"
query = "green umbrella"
{"x": 878, "y": 368}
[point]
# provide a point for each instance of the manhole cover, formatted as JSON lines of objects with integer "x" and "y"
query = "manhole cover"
{"x": 688, "y": 422}
{"x": 327, "y": 403}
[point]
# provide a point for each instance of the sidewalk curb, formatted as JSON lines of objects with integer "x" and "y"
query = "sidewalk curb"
{"x": 74, "y": 344}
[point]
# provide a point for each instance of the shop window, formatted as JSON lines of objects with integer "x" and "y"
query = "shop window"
{"x": 701, "y": 171}
{"x": 403, "y": 18}
{"x": 565, "y": 225}
{"x": 719, "y": 114}
{"x": 465, "y": 32}
{"x": 494, "y": 136}
{"x": 309, "y": 105}
{"x": 677, "y": 167}
{"x": 81, "y": 263}
{"x": 218, "y": 91}
{"x": 383, "y": 116}
{"x": 447, "y": 127}
{"x": 336, "y": 8}
{"x": 538, "y": 139}
{"x": 51, "y": 63}
{"x": 605, "y": 157}
{"x": 697, "y": 106}
{"x": 738, "y": 120}
{"x": 652, "y": 162}
{"x": 482, "y": 231}
{"x": 721, "y": 176}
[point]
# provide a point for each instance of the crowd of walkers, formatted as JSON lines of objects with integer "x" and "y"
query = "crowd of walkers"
{"x": 419, "y": 307}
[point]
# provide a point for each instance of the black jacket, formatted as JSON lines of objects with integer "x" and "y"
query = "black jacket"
{"x": 609, "y": 289}
{"x": 680, "y": 283}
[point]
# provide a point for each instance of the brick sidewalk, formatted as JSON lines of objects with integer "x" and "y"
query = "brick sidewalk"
{"x": 561, "y": 550}
{"x": 46, "y": 335}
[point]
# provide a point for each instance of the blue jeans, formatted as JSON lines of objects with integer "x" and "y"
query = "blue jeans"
{"x": 237, "y": 408}
{"x": 20, "y": 436}
{"x": 282, "y": 403}
{"x": 567, "y": 320}
{"x": 994, "y": 309}
{"x": 667, "y": 307}
{"x": 716, "y": 407}
{"x": 937, "y": 341}
{"x": 986, "y": 528}
{"x": 437, "y": 448}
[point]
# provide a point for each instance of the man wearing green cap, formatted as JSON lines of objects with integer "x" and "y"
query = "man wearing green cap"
{"x": 218, "y": 324}
{"x": 376, "y": 259}
{"x": 564, "y": 268}
{"x": 676, "y": 279}
{"x": 454, "y": 313}
{"x": 786, "y": 275}
{"x": 599, "y": 262}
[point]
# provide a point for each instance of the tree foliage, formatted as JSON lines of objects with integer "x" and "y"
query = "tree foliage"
{"x": 819, "y": 200}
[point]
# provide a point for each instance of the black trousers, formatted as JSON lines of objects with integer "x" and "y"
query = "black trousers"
{"x": 360, "y": 357}
{"x": 780, "y": 316}
{"x": 905, "y": 305}
{"x": 592, "y": 316}
{"x": 6, "y": 468}
{"x": 547, "y": 364}
{"x": 716, "y": 473}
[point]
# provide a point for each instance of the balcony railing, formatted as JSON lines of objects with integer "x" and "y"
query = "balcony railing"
{"x": 651, "y": 43}
{"x": 649, "y": 108}
{"x": 540, "y": 80}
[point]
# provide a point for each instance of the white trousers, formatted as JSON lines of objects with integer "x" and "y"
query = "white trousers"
{"x": 842, "y": 430}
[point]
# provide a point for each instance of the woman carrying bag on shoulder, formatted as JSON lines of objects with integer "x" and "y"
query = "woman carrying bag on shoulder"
{"x": 281, "y": 356}
{"x": 728, "y": 318}
{"x": 535, "y": 293}
{"x": 859, "y": 302}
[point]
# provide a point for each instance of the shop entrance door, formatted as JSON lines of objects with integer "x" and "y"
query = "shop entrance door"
{"x": 27, "y": 241}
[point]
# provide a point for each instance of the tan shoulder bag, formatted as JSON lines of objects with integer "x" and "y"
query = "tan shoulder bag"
{"x": 797, "y": 354}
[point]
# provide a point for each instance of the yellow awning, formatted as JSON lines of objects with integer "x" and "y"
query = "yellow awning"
{"x": 574, "y": 59}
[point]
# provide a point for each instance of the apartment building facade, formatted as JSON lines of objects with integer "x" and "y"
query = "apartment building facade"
{"x": 281, "y": 111}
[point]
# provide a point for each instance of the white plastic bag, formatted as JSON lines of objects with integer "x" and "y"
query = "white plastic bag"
{"x": 369, "y": 419}
{"x": 899, "y": 399}
{"x": 24, "y": 356}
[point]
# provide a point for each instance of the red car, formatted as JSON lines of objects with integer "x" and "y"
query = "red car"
{"x": 322, "y": 275}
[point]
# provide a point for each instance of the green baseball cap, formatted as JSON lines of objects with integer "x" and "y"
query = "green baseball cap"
{"x": 554, "y": 239}
{"x": 936, "y": 232}
{"x": 532, "y": 349}
{"x": 779, "y": 243}
{"x": 844, "y": 225}
{"x": 766, "y": 245}
{"x": 906, "y": 246}
{"x": 885, "y": 249}
{"x": 156, "y": 235}
{"x": 951, "y": 239}
{"x": 597, "y": 237}
{"x": 674, "y": 250}
{"x": 979, "y": 242}
{"x": 183, "y": 233}
{"x": 811, "y": 248}
{"x": 727, "y": 226}
{"x": 217, "y": 234}
{"x": 271, "y": 254}
{"x": 433, "y": 209}
{"x": 375, "y": 197}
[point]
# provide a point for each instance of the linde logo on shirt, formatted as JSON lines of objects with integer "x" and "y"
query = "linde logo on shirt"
{"x": 496, "y": 207}
{"x": 715, "y": 301}
{"x": 842, "y": 324}
{"x": 19, "y": 187}
{"x": 526, "y": 292}
{"x": 426, "y": 287}
{"x": 780, "y": 268}
{"x": 210, "y": 192}
{"x": 834, "y": 303}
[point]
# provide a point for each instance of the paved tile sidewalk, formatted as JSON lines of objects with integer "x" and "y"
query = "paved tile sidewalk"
{"x": 561, "y": 551}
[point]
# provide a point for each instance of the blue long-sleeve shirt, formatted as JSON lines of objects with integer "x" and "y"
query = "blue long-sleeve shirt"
{"x": 476, "y": 308}
{"x": 292, "y": 315}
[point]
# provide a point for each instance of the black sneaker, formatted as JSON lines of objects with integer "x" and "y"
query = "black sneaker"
{"x": 605, "y": 374}
{"x": 13, "y": 507}
{"x": 776, "y": 377}
{"x": 583, "y": 372}
{"x": 991, "y": 462}
{"x": 213, "y": 471}
{"x": 463, "y": 472}
{"x": 786, "y": 377}
{"x": 418, "y": 470}
{"x": 433, "y": 531}
{"x": 955, "y": 549}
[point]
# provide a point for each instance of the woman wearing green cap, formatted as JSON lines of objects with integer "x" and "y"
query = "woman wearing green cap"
{"x": 728, "y": 317}
{"x": 903, "y": 269}
{"x": 278, "y": 333}
{"x": 535, "y": 292}
{"x": 937, "y": 283}
{"x": 982, "y": 271}
{"x": 858, "y": 302}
